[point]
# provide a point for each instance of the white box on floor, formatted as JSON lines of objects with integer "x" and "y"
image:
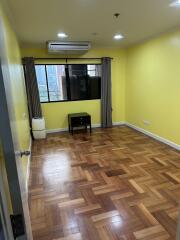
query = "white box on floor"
{"x": 39, "y": 134}
{"x": 38, "y": 128}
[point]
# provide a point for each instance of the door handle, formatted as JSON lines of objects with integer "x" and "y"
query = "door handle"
{"x": 25, "y": 153}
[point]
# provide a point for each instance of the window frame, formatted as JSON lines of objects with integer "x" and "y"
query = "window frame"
{"x": 68, "y": 82}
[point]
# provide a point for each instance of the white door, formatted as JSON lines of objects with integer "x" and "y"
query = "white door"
{"x": 10, "y": 145}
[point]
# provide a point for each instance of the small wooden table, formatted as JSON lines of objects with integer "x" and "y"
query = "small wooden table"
{"x": 79, "y": 120}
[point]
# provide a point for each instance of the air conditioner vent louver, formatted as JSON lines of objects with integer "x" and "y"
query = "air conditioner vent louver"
{"x": 68, "y": 47}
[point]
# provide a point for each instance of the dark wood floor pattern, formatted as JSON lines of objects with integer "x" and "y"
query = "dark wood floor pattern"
{"x": 114, "y": 184}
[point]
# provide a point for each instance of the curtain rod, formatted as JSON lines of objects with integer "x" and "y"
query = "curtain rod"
{"x": 51, "y": 58}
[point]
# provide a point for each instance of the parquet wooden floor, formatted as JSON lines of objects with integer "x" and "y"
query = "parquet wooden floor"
{"x": 116, "y": 184}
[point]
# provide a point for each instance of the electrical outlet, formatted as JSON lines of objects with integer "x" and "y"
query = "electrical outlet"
{"x": 146, "y": 122}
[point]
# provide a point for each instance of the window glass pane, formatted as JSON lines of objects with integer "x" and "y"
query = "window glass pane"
{"x": 85, "y": 81}
{"x": 41, "y": 79}
{"x": 78, "y": 81}
{"x": 91, "y": 67}
{"x": 94, "y": 87}
{"x": 56, "y": 82}
{"x": 91, "y": 70}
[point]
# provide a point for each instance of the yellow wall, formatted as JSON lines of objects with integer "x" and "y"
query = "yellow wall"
{"x": 145, "y": 87}
{"x": 17, "y": 87}
{"x": 153, "y": 86}
{"x": 56, "y": 113}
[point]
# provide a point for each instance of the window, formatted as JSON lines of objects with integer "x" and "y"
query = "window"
{"x": 68, "y": 82}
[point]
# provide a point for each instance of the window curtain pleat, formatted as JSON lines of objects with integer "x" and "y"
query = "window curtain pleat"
{"x": 106, "y": 95}
{"x": 34, "y": 104}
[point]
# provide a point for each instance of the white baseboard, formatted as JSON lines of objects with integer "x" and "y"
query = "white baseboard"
{"x": 56, "y": 130}
{"x": 28, "y": 166}
{"x": 160, "y": 139}
{"x": 118, "y": 123}
{"x": 96, "y": 125}
{"x": 66, "y": 129}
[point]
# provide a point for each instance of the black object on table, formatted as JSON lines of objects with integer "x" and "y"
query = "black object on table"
{"x": 79, "y": 120}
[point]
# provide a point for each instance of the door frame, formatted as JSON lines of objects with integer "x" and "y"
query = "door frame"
{"x": 9, "y": 152}
{"x": 10, "y": 145}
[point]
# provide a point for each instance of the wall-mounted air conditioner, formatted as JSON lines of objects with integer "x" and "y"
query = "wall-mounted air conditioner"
{"x": 68, "y": 47}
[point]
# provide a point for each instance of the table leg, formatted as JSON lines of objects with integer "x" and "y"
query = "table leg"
{"x": 90, "y": 128}
{"x": 71, "y": 130}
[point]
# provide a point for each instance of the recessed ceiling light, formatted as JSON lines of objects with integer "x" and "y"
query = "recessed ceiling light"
{"x": 175, "y": 3}
{"x": 62, "y": 35}
{"x": 118, "y": 36}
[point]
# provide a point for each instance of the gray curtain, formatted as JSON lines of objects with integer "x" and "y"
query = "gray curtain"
{"x": 32, "y": 89}
{"x": 106, "y": 98}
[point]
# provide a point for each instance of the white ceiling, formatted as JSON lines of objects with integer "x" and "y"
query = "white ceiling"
{"x": 37, "y": 21}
